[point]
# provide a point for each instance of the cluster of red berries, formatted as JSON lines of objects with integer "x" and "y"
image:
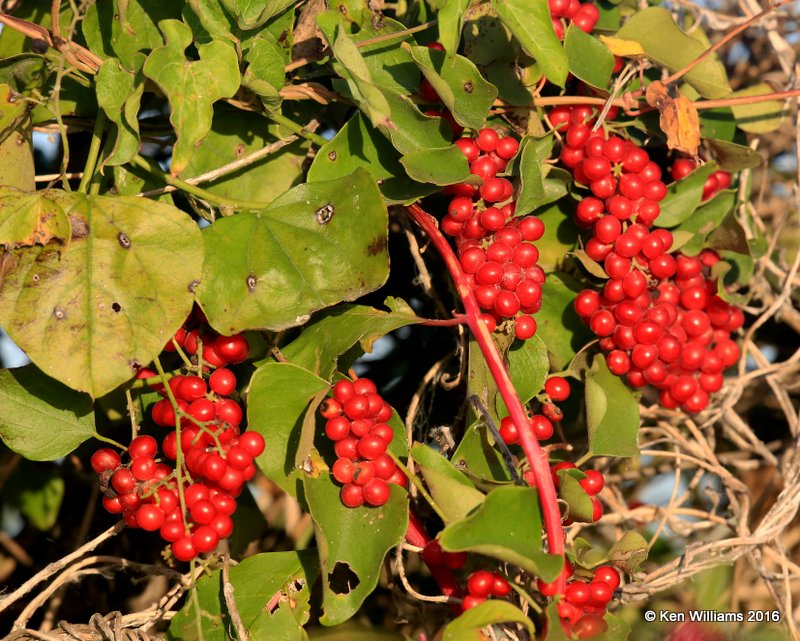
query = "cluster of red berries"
{"x": 592, "y": 484}
{"x": 357, "y": 424}
{"x": 495, "y": 249}
{"x": 483, "y": 584}
{"x": 435, "y": 557}
{"x": 563, "y": 12}
{"x": 557, "y": 389}
{"x": 716, "y": 182}
{"x": 680, "y": 342}
{"x": 658, "y": 317}
{"x": 217, "y": 459}
{"x": 585, "y": 601}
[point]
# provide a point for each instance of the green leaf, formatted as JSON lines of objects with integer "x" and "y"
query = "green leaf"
{"x": 264, "y": 74}
{"x": 508, "y": 527}
{"x": 37, "y": 491}
{"x": 28, "y": 219}
{"x": 438, "y": 166}
{"x": 124, "y": 29}
{"x": 589, "y": 59}
{"x": 235, "y": 134}
{"x": 208, "y": 20}
{"x": 467, "y": 626}
{"x": 554, "y": 630}
{"x": 34, "y": 406}
{"x": 587, "y": 555}
{"x": 629, "y": 552}
{"x": 450, "y": 22}
{"x": 528, "y": 366}
{"x": 478, "y": 457}
{"x": 355, "y": 145}
{"x": 368, "y": 95}
{"x": 119, "y": 93}
{"x": 558, "y": 325}
{"x": 732, "y": 157}
{"x": 333, "y": 332}
{"x": 413, "y": 131}
{"x": 590, "y": 265}
{"x": 459, "y": 84}
{"x": 251, "y": 14}
{"x": 612, "y": 413}
{"x": 690, "y": 236}
{"x": 271, "y": 591}
{"x": 579, "y": 502}
{"x": 760, "y": 117}
{"x": 618, "y": 629}
{"x": 684, "y": 196}
{"x": 16, "y": 153}
{"x": 352, "y": 544}
{"x": 530, "y": 22}
{"x": 560, "y": 235}
{"x": 453, "y": 492}
{"x": 531, "y": 192}
{"x": 192, "y": 87}
{"x": 318, "y": 244}
{"x": 109, "y": 301}
{"x": 277, "y": 399}
{"x": 664, "y": 43}
{"x": 249, "y": 523}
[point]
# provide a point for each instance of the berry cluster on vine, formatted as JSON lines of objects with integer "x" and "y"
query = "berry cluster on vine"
{"x": 482, "y": 585}
{"x": 659, "y": 317}
{"x": 357, "y": 423}
{"x": 495, "y": 249}
{"x": 565, "y": 12}
{"x": 189, "y": 496}
{"x": 556, "y": 389}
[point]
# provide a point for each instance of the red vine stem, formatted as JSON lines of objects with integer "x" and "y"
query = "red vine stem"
{"x": 417, "y": 535}
{"x": 536, "y": 456}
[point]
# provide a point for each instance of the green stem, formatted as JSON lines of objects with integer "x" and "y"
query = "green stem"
{"x": 110, "y": 441}
{"x": 179, "y": 450}
{"x": 152, "y": 168}
{"x": 419, "y": 485}
{"x": 584, "y": 458}
{"x": 291, "y": 125}
{"x": 94, "y": 152}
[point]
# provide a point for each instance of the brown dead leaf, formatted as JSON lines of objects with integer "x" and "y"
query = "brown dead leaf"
{"x": 678, "y": 117}
{"x": 307, "y": 37}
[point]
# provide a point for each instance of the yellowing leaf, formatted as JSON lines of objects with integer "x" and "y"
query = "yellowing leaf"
{"x": 678, "y": 118}
{"x": 620, "y": 47}
{"x": 29, "y": 219}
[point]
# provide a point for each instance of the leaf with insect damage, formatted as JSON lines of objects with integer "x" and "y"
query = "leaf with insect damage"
{"x": 678, "y": 118}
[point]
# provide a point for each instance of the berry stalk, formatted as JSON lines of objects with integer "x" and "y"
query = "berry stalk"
{"x": 538, "y": 459}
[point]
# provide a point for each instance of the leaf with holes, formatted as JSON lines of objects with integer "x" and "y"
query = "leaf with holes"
{"x": 460, "y": 85}
{"x": 352, "y": 544}
{"x": 314, "y": 246}
{"x": 467, "y": 627}
{"x": 28, "y": 219}
{"x": 34, "y": 406}
{"x": 271, "y": 592}
{"x": 507, "y": 527}
{"x": 192, "y": 86}
{"x": 612, "y": 413}
{"x": 108, "y": 302}
{"x": 277, "y": 399}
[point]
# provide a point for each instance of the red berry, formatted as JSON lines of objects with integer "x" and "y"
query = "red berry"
{"x": 481, "y": 583}
{"x": 376, "y": 492}
{"x": 593, "y": 482}
{"x": 371, "y": 447}
{"x": 105, "y": 459}
{"x": 487, "y": 139}
{"x": 123, "y": 481}
{"x": 608, "y": 575}
{"x": 524, "y": 326}
{"x": 542, "y": 427}
{"x": 252, "y": 443}
{"x": 183, "y": 549}
{"x": 205, "y": 538}
{"x": 352, "y": 495}
{"x": 557, "y": 388}
{"x": 577, "y": 593}
{"x": 229, "y": 411}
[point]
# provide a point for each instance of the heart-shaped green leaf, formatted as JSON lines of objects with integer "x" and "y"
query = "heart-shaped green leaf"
{"x": 318, "y": 244}
{"x": 508, "y": 527}
{"x": 34, "y": 406}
